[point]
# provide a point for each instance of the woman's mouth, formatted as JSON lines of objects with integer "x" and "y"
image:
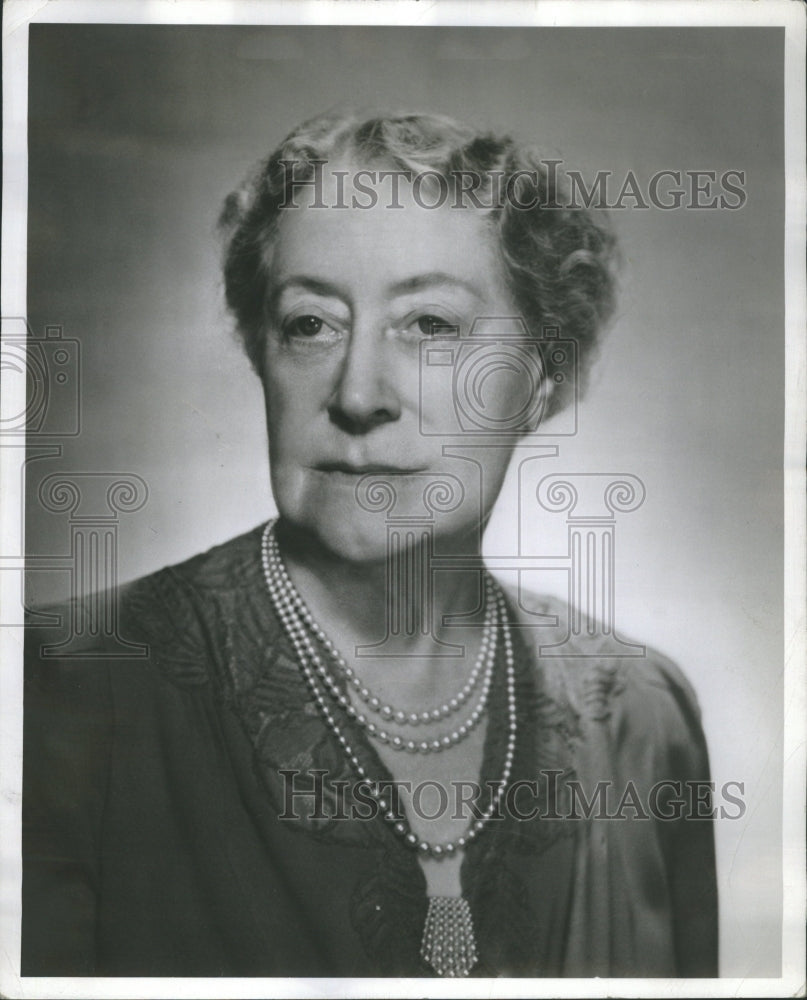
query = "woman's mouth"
{"x": 369, "y": 468}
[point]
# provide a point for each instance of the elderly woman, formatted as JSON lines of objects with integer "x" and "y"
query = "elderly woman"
{"x": 343, "y": 753}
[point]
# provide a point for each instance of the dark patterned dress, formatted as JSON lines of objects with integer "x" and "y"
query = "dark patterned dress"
{"x": 152, "y": 837}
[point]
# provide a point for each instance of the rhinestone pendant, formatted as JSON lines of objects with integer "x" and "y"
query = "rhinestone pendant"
{"x": 448, "y": 936}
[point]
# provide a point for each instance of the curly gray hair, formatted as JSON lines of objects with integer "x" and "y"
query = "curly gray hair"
{"x": 559, "y": 261}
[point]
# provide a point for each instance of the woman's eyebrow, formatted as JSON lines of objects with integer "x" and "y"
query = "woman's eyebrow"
{"x": 431, "y": 279}
{"x": 416, "y": 283}
{"x": 316, "y": 285}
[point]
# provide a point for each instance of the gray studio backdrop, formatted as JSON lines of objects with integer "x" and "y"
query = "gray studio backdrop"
{"x": 137, "y": 133}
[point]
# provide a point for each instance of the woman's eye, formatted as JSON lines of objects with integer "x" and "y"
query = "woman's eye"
{"x": 304, "y": 326}
{"x": 431, "y": 325}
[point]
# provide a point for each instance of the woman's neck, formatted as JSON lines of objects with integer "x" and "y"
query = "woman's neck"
{"x": 363, "y": 603}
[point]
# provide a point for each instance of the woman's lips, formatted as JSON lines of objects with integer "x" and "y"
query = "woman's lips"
{"x": 368, "y": 469}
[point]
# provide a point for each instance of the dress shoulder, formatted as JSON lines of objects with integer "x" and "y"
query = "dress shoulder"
{"x": 642, "y": 694}
{"x": 644, "y": 895}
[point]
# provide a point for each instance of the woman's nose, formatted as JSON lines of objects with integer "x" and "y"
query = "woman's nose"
{"x": 365, "y": 395}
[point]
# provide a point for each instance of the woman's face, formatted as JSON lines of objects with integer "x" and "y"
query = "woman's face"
{"x": 359, "y": 376}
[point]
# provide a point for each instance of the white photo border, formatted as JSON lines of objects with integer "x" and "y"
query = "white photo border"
{"x": 17, "y": 16}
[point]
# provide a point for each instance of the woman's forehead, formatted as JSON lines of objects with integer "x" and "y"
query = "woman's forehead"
{"x": 358, "y": 238}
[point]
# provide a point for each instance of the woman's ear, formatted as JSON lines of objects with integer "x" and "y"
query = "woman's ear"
{"x": 542, "y": 408}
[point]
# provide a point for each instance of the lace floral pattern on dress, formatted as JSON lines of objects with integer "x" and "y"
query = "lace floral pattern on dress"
{"x": 222, "y": 628}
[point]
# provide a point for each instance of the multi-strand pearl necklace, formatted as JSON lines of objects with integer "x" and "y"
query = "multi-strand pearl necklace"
{"x": 305, "y": 628}
{"x": 448, "y": 943}
{"x": 299, "y": 626}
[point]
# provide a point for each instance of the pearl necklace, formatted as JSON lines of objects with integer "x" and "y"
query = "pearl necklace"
{"x": 448, "y": 943}
{"x": 301, "y": 622}
{"x": 283, "y": 602}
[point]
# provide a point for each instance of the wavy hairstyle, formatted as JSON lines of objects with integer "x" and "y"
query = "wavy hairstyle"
{"x": 559, "y": 261}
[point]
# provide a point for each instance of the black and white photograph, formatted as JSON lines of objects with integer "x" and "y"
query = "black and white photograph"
{"x": 402, "y": 451}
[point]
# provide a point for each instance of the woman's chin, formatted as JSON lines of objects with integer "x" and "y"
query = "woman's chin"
{"x": 365, "y": 539}
{"x": 353, "y": 536}
{"x": 332, "y": 521}
{"x": 353, "y": 543}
